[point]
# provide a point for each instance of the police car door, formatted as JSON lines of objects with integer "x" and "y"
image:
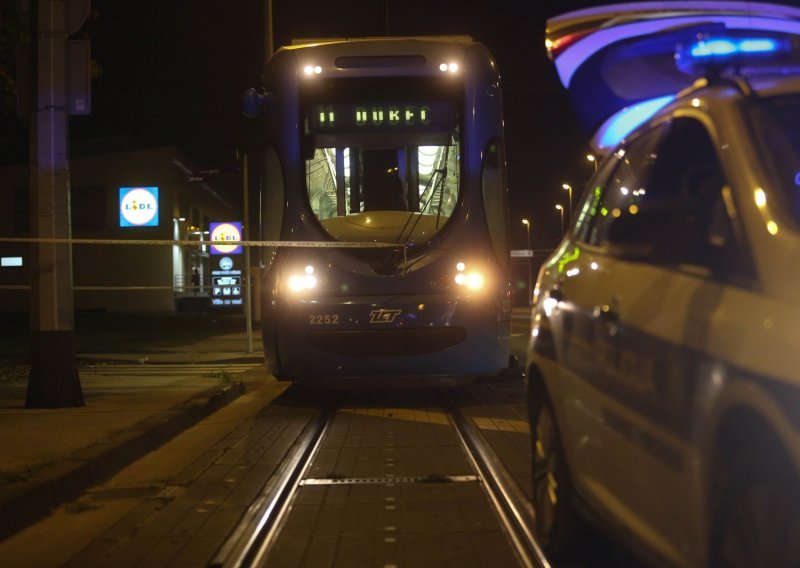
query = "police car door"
{"x": 665, "y": 260}
{"x": 590, "y": 383}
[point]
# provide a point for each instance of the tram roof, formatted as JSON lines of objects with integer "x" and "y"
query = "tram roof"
{"x": 612, "y": 58}
{"x": 380, "y": 56}
{"x": 311, "y": 42}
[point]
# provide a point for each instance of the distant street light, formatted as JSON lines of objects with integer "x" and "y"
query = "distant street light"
{"x": 592, "y": 159}
{"x": 561, "y": 210}
{"x": 568, "y": 187}
{"x": 528, "y": 230}
{"x": 530, "y": 259}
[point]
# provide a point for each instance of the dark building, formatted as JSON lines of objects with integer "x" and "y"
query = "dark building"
{"x": 152, "y": 195}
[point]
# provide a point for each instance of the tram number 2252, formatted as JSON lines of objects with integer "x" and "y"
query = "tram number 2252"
{"x": 323, "y": 319}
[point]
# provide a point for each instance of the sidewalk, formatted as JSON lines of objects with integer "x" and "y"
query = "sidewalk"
{"x": 134, "y": 403}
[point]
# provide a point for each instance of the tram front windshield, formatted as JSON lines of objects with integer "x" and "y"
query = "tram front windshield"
{"x": 382, "y": 158}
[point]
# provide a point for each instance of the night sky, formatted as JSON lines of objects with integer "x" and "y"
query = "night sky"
{"x": 173, "y": 72}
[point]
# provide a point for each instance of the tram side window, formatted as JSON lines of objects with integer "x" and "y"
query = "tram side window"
{"x": 321, "y": 181}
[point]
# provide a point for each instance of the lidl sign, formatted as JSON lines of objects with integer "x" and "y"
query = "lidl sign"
{"x": 226, "y": 232}
{"x": 138, "y": 207}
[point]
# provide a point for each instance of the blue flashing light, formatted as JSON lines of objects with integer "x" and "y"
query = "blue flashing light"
{"x": 720, "y": 47}
{"x": 759, "y": 46}
{"x": 618, "y": 126}
{"x": 713, "y": 48}
{"x": 729, "y": 51}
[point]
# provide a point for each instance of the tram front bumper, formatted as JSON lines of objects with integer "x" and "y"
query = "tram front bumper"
{"x": 397, "y": 336}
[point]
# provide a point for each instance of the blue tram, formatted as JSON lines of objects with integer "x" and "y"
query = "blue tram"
{"x": 382, "y": 176}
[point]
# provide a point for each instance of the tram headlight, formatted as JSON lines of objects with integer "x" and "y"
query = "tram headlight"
{"x": 475, "y": 281}
{"x": 450, "y": 66}
{"x": 469, "y": 278}
{"x": 300, "y": 282}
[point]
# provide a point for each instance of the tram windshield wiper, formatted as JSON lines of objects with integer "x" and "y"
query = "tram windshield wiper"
{"x": 433, "y": 188}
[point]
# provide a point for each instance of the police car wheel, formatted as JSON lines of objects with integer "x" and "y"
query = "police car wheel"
{"x": 758, "y": 519}
{"x": 556, "y": 522}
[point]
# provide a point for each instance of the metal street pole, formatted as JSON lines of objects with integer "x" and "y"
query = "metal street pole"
{"x": 248, "y": 306}
{"x": 530, "y": 261}
{"x": 561, "y": 210}
{"x": 269, "y": 41}
{"x": 568, "y": 188}
{"x": 53, "y": 381}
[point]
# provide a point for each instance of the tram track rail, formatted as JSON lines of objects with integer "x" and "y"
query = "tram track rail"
{"x": 509, "y": 502}
{"x": 250, "y": 543}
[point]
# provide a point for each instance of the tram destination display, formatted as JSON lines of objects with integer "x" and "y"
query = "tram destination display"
{"x": 381, "y": 117}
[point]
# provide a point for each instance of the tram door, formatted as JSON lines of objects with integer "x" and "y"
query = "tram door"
{"x": 382, "y": 188}
{"x": 386, "y": 176}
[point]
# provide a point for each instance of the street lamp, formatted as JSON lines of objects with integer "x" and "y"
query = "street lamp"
{"x": 530, "y": 259}
{"x": 568, "y": 187}
{"x": 593, "y": 159}
{"x": 561, "y": 210}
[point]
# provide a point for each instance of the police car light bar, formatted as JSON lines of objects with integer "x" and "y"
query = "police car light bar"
{"x": 569, "y": 50}
{"x": 722, "y": 47}
{"x": 596, "y": 49}
{"x": 720, "y": 52}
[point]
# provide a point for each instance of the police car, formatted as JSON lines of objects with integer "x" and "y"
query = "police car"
{"x": 664, "y": 358}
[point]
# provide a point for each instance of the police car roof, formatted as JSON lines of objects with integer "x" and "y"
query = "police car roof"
{"x": 618, "y": 57}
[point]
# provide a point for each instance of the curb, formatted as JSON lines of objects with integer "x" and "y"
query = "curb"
{"x": 23, "y": 504}
{"x": 115, "y": 359}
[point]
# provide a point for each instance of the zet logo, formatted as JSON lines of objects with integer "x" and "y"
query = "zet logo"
{"x": 382, "y": 315}
{"x": 138, "y": 207}
{"x": 223, "y": 233}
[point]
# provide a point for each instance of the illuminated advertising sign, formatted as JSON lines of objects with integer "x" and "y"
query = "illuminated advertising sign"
{"x": 138, "y": 207}
{"x": 226, "y": 232}
{"x": 226, "y": 283}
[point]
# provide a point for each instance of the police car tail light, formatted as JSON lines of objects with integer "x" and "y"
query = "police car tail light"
{"x": 558, "y": 46}
{"x": 469, "y": 278}
{"x": 721, "y": 52}
{"x": 302, "y": 281}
